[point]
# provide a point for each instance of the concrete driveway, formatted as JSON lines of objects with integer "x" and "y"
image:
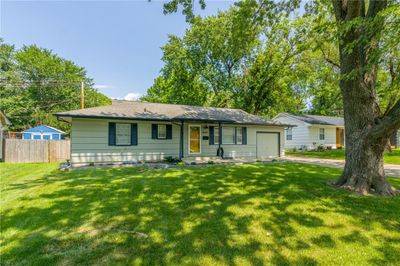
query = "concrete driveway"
{"x": 390, "y": 169}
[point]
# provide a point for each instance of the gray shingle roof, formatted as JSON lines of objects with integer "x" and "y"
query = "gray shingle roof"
{"x": 168, "y": 112}
{"x": 319, "y": 119}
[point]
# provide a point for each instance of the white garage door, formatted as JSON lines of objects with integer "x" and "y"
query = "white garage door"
{"x": 267, "y": 145}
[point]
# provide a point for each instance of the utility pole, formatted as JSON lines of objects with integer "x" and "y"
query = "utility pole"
{"x": 82, "y": 95}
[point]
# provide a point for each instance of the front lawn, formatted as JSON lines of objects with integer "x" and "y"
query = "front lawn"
{"x": 276, "y": 214}
{"x": 390, "y": 157}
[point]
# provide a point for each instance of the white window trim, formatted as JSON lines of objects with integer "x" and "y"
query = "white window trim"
{"x": 239, "y": 129}
{"x": 158, "y": 131}
{"x": 200, "y": 138}
{"x": 216, "y": 129}
{"x": 291, "y": 133}
{"x": 116, "y": 135}
{"x": 323, "y": 133}
{"x": 234, "y": 132}
{"x": 41, "y": 135}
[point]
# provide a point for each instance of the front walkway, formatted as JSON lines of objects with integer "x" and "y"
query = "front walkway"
{"x": 390, "y": 169}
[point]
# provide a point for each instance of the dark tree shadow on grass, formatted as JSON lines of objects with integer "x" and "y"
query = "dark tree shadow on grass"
{"x": 228, "y": 215}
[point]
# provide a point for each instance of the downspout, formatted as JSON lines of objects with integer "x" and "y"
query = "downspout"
{"x": 221, "y": 151}
{"x": 181, "y": 142}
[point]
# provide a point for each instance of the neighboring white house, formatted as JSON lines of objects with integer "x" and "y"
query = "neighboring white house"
{"x": 395, "y": 139}
{"x": 311, "y": 131}
{"x": 134, "y": 131}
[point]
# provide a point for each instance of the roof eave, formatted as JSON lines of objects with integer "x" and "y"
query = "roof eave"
{"x": 63, "y": 116}
{"x": 298, "y": 119}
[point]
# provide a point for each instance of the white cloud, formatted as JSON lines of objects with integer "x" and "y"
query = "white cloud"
{"x": 132, "y": 96}
{"x": 101, "y": 86}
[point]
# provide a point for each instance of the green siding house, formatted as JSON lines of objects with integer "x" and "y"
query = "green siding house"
{"x": 127, "y": 132}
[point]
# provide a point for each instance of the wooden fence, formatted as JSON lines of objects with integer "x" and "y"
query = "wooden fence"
{"x": 36, "y": 151}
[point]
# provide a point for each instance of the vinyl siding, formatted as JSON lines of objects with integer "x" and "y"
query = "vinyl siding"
{"x": 398, "y": 138}
{"x": 330, "y": 136}
{"x": 300, "y": 133}
{"x": 306, "y": 135}
{"x": 89, "y": 143}
{"x": 1, "y": 142}
{"x": 233, "y": 150}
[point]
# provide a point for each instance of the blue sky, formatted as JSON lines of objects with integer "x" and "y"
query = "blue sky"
{"x": 118, "y": 42}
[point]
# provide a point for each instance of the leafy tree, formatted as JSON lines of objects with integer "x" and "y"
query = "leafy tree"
{"x": 35, "y": 83}
{"x": 368, "y": 128}
{"x": 366, "y": 34}
{"x": 233, "y": 59}
{"x": 270, "y": 82}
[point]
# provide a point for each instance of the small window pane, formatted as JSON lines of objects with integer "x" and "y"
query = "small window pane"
{"x": 239, "y": 137}
{"x": 216, "y": 135}
{"x": 123, "y": 134}
{"x": 289, "y": 134}
{"x": 321, "y": 133}
{"x": 228, "y": 135}
{"x": 162, "y": 131}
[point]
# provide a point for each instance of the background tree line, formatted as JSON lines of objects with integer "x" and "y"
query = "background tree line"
{"x": 264, "y": 58}
{"x": 349, "y": 60}
{"x": 35, "y": 83}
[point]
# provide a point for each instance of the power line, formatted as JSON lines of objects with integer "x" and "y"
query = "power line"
{"x": 40, "y": 83}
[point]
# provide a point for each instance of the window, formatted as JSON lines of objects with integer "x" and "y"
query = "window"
{"x": 228, "y": 135}
{"x": 239, "y": 136}
{"x": 216, "y": 135}
{"x": 289, "y": 133}
{"x": 322, "y": 133}
{"x": 162, "y": 132}
{"x": 123, "y": 134}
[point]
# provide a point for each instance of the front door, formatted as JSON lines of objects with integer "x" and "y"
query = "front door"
{"x": 194, "y": 140}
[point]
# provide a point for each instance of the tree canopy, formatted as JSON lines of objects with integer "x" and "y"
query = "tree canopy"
{"x": 35, "y": 83}
{"x": 234, "y": 59}
{"x": 346, "y": 61}
{"x": 265, "y": 57}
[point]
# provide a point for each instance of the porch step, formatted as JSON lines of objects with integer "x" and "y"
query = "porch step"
{"x": 201, "y": 158}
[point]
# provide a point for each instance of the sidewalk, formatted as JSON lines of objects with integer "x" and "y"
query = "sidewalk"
{"x": 390, "y": 169}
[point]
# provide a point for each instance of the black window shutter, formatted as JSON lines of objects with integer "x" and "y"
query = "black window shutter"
{"x": 211, "y": 140}
{"x": 235, "y": 141}
{"x": 111, "y": 134}
{"x": 154, "y": 131}
{"x": 244, "y": 135}
{"x": 169, "y": 131}
{"x": 220, "y": 135}
{"x": 134, "y": 134}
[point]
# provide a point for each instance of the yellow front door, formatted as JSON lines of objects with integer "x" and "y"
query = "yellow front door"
{"x": 194, "y": 139}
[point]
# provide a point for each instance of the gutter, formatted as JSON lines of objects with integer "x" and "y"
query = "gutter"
{"x": 60, "y": 116}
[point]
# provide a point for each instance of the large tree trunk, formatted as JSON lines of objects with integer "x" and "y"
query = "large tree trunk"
{"x": 367, "y": 129}
{"x": 364, "y": 171}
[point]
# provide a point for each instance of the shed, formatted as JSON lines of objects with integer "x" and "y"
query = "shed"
{"x": 43, "y": 132}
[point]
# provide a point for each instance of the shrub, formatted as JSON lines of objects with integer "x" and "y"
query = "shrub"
{"x": 329, "y": 148}
{"x": 171, "y": 159}
{"x": 181, "y": 164}
{"x": 320, "y": 147}
{"x": 210, "y": 162}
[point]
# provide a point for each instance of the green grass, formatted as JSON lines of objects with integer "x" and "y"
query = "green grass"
{"x": 273, "y": 214}
{"x": 390, "y": 157}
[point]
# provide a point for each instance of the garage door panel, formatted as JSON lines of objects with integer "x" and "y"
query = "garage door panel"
{"x": 267, "y": 145}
